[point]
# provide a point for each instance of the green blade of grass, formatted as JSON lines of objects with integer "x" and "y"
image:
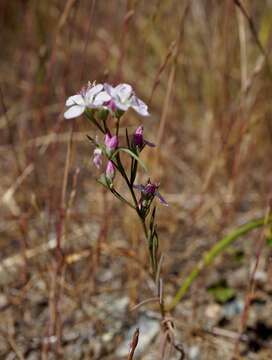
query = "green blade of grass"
{"x": 216, "y": 250}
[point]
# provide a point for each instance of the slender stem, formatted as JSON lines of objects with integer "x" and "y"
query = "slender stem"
{"x": 121, "y": 169}
{"x": 120, "y": 197}
{"x": 124, "y": 175}
{"x": 133, "y": 171}
{"x": 144, "y": 227}
{"x": 100, "y": 127}
{"x": 117, "y": 126}
{"x": 107, "y": 130}
{"x": 93, "y": 120}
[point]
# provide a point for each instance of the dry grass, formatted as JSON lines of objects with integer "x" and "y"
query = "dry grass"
{"x": 68, "y": 250}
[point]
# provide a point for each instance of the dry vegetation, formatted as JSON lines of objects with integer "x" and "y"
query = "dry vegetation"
{"x": 204, "y": 67}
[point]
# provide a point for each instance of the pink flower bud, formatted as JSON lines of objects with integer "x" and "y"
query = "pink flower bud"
{"x": 110, "y": 170}
{"x": 111, "y": 105}
{"x": 111, "y": 142}
{"x": 97, "y": 159}
{"x": 138, "y": 136}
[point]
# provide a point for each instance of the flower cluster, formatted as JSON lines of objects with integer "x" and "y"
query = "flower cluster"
{"x": 100, "y": 103}
{"x": 107, "y": 149}
{"x": 98, "y": 96}
{"x": 115, "y": 100}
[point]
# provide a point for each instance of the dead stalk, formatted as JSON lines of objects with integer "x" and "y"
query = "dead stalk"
{"x": 133, "y": 344}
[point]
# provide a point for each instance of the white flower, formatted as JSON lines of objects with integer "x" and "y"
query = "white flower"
{"x": 91, "y": 97}
{"x": 124, "y": 97}
{"x": 77, "y": 106}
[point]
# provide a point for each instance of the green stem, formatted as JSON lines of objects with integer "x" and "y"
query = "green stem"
{"x": 216, "y": 250}
{"x": 92, "y": 119}
{"x": 124, "y": 175}
{"x": 107, "y": 130}
{"x": 130, "y": 186}
{"x": 144, "y": 226}
{"x": 117, "y": 127}
{"x": 120, "y": 197}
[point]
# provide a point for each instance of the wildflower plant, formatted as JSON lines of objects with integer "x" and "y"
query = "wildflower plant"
{"x": 98, "y": 103}
{"x": 104, "y": 106}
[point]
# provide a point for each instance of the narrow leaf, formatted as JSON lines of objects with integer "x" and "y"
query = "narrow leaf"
{"x": 132, "y": 155}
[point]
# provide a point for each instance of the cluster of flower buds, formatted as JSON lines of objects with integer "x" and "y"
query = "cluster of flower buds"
{"x": 100, "y": 104}
{"x": 107, "y": 149}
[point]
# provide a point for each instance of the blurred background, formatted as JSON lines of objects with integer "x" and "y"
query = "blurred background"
{"x": 73, "y": 260}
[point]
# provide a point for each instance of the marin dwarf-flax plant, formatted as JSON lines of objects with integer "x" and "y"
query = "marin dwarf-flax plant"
{"x": 104, "y": 105}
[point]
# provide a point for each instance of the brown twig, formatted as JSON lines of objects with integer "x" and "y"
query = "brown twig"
{"x": 162, "y": 67}
{"x": 168, "y": 341}
{"x": 87, "y": 38}
{"x": 253, "y": 30}
{"x": 123, "y": 40}
{"x": 172, "y": 74}
{"x": 10, "y": 133}
{"x": 133, "y": 344}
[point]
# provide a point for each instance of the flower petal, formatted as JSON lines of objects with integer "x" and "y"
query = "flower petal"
{"x": 124, "y": 91}
{"x": 148, "y": 143}
{"x": 94, "y": 90}
{"x": 74, "y": 111}
{"x": 101, "y": 98}
{"x": 109, "y": 89}
{"x": 97, "y": 160}
{"x": 162, "y": 201}
{"x": 139, "y": 187}
{"x": 122, "y": 106}
{"x": 97, "y": 151}
{"x": 140, "y": 107}
{"x": 75, "y": 100}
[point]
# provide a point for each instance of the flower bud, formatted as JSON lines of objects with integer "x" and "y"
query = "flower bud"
{"x": 110, "y": 170}
{"x": 111, "y": 142}
{"x": 138, "y": 136}
{"x": 97, "y": 160}
{"x": 111, "y": 106}
{"x": 150, "y": 189}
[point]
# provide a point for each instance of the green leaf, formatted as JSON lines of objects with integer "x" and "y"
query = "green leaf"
{"x": 239, "y": 255}
{"x": 221, "y": 292}
{"x": 102, "y": 114}
{"x": 268, "y": 235}
{"x": 89, "y": 114}
{"x": 132, "y": 155}
{"x": 265, "y": 27}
